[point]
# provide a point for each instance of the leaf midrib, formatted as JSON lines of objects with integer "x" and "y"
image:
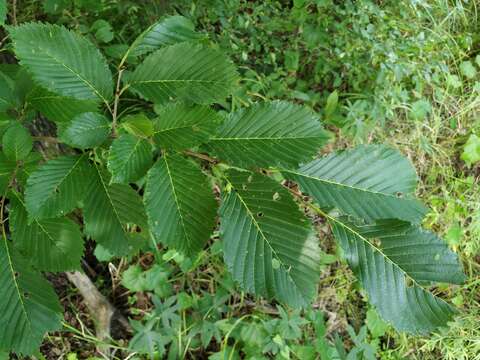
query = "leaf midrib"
{"x": 257, "y": 225}
{"x": 130, "y": 155}
{"x": 182, "y": 221}
{"x": 47, "y": 198}
{"x": 170, "y": 129}
{"x": 10, "y": 264}
{"x": 44, "y": 230}
{"x": 330, "y": 182}
{"x": 117, "y": 216}
{"x": 17, "y": 287}
{"x": 96, "y": 92}
{"x": 265, "y": 138}
{"x": 377, "y": 249}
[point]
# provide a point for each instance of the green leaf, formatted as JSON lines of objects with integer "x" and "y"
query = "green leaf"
{"x": 168, "y": 31}
{"x": 292, "y": 59}
{"x": 5, "y": 123}
{"x": 51, "y": 245}
{"x": 55, "y": 6}
{"x": 227, "y": 352}
{"x": 420, "y": 253}
{"x": 17, "y": 142}
{"x": 454, "y": 235}
{"x": 7, "y": 95}
{"x": 3, "y": 11}
{"x": 10, "y": 70}
{"x": 420, "y": 109}
{"x": 369, "y": 182}
{"x": 26, "y": 167}
{"x": 269, "y": 134}
{"x": 375, "y": 324}
{"x": 186, "y": 72}
{"x": 180, "y": 205}
{"x": 138, "y": 125}
{"x": 395, "y": 293}
{"x": 269, "y": 246}
{"x": 57, "y": 187}
{"x": 332, "y": 103}
{"x": 147, "y": 340}
{"x": 129, "y": 158}
{"x": 454, "y": 81}
{"x": 7, "y": 168}
{"x": 471, "y": 150}
{"x": 468, "y": 70}
{"x": 102, "y": 30}
{"x": 107, "y": 209}
{"x": 86, "y": 130}
{"x": 180, "y": 127}
{"x": 136, "y": 279}
{"x": 62, "y": 61}
{"x": 28, "y": 306}
{"x": 23, "y": 84}
{"x": 57, "y": 108}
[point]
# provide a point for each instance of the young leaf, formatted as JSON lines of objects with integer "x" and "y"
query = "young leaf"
{"x": 268, "y": 134}
{"x": 108, "y": 209}
{"x": 28, "y": 306}
{"x": 184, "y": 71}
{"x": 17, "y": 142}
{"x": 180, "y": 205}
{"x": 62, "y": 61}
{"x": 57, "y": 108}
{"x": 269, "y": 245}
{"x": 397, "y": 296}
{"x": 138, "y": 125}
{"x": 168, "y": 31}
{"x": 369, "y": 182}
{"x": 129, "y": 158}
{"x": 57, "y": 187}
{"x": 331, "y": 104}
{"x": 86, "y": 130}
{"x": 180, "y": 127}
{"x": 51, "y": 245}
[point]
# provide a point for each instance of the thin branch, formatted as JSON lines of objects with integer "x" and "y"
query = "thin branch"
{"x": 118, "y": 93}
{"x": 201, "y": 156}
{"x": 2, "y": 42}
{"x": 14, "y": 12}
{"x": 50, "y": 139}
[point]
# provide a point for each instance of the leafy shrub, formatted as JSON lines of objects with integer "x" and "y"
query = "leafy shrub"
{"x": 379, "y": 56}
{"x": 134, "y": 180}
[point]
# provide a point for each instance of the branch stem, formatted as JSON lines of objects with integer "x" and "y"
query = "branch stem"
{"x": 201, "y": 156}
{"x": 50, "y": 139}
{"x": 14, "y": 12}
{"x": 118, "y": 93}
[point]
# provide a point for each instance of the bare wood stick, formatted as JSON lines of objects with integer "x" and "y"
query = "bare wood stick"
{"x": 98, "y": 306}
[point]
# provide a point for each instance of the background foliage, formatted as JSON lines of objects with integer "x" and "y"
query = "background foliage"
{"x": 405, "y": 73}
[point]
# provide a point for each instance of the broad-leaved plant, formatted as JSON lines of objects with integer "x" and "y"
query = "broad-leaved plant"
{"x": 150, "y": 153}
